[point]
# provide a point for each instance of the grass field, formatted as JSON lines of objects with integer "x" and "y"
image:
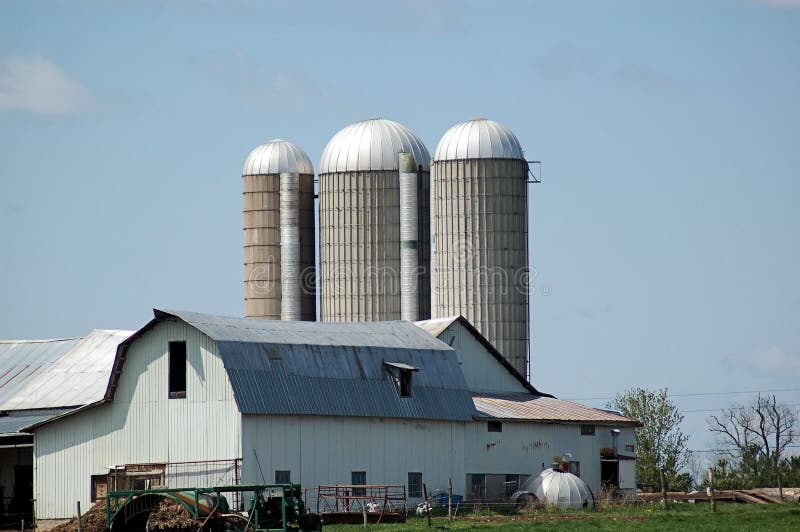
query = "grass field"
{"x": 729, "y": 517}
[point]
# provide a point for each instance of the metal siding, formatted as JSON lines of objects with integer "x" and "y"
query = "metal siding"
{"x": 481, "y": 370}
{"x": 141, "y": 424}
{"x": 325, "y": 450}
{"x": 480, "y": 255}
{"x": 262, "y": 246}
{"x": 360, "y": 246}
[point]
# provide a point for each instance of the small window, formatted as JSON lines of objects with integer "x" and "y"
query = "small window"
{"x": 478, "y": 486}
{"x": 405, "y": 383}
{"x": 402, "y": 375}
{"x": 494, "y": 426}
{"x": 587, "y": 430}
{"x": 575, "y": 468}
{"x": 415, "y": 484}
{"x": 177, "y": 370}
{"x": 283, "y": 477}
{"x": 511, "y": 484}
{"x": 358, "y": 478}
{"x": 99, "y": 487}
{"x": 629, "y": 448}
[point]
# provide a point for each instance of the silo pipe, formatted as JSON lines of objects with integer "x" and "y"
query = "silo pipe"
{"x": 409, "y": 244}
{"x": 290, "y": 246}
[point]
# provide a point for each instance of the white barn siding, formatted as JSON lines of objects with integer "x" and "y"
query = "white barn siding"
{"x": 482, "y": 371}
{"x": 525, "y": 448}
{"x": 325, "y": 450}
{"x": 141, "y": 424}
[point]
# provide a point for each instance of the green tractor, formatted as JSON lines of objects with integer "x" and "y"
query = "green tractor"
{"x": 273, "y": 507}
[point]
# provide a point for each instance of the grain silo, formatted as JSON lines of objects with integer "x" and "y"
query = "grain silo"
{"x": 360, "y": 223}
{"x": 479, "y": 210}
{"x": 279, "y": 280}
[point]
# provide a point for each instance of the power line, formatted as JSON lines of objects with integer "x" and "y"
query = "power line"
{"x": 733, "y": 450}
{"x": 694, "y": 394}
{"x": 719, "y": 409}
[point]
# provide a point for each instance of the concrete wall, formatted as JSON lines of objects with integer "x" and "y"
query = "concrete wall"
{"x": 141, "y": 425}
{"x": 325, "y": 450}
{"x": 481, "y": 370}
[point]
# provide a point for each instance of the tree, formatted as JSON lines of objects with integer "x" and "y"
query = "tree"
{"x": 757, "y": 435}
{"x": 660, "y": 444}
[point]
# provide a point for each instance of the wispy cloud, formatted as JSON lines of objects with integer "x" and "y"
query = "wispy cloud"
{"x": 772, "y": 362}
{"x": 565, "y": 62}
{"x": 35, "y": 85}
{"x": 281, "y": 90}
{"x": 647, "y": 78}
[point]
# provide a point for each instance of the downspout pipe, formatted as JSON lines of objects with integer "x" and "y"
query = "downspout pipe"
{"x": 290, "y": 246}
{"x": 409, "y": 244}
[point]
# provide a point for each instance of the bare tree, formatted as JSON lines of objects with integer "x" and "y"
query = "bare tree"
{"x": 759, "y": 433}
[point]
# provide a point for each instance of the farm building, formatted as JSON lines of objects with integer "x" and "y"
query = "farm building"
{"x": 41, "y": 379}
{"x": 195, "y": 399}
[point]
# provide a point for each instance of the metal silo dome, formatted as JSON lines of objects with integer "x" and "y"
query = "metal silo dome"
{"x": 479, "y": 212}
{"x": 371, "y": 145}
{"x": 361, "y": 236}
{"x": 278, "y": 214}
{"x": 479, "y": 138}
{"x": 556, "y": 488}
{"x": 277, "y": 156}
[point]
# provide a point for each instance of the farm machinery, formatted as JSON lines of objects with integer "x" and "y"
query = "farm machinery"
{"x": 272, "y": 507}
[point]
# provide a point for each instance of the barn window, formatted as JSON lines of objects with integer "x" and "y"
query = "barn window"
{"x": 99, "y": 487}
{"x": 415, "y": 484}
{"x": 494, "y": 426}
{"x": 177, "y": 370}
{"x": 283, "y": 477}
{"x": 358, "y": 478}
{"x": 402, "y": 375}
{"x": 587, "y": 430}
{"x": 477, "y": 486}
{"x": 575, "y": 468}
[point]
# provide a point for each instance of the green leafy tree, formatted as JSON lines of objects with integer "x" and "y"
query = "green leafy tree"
{"x": 660, "y": 444}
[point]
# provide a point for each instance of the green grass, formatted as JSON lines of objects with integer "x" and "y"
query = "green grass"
{"x": 680, "y": 516}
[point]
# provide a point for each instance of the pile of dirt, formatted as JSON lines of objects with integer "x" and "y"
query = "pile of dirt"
{"x": 171, "y": 515}
{"x": 92, "y": 521}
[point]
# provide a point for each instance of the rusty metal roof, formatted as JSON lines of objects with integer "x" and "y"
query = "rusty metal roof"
{"x": 528, "y": 407}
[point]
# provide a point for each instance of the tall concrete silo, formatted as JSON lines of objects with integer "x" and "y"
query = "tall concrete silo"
{"x": 360, "y": 223}
{"x": 479, "y": 210}
{"x": 279, "y": 280}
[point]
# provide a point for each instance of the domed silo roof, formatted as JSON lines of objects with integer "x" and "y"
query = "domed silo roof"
{"x": 479, "y": 138}
{"x": 561, "y": 489}
{"x": 371, "y": 145}
{"x": 278, "y": 156}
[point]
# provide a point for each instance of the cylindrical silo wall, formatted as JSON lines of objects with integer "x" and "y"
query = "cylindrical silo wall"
{"x": 480, "y": 252}
{"x": 359, "y": 232}
{"x": 262, "y": 252}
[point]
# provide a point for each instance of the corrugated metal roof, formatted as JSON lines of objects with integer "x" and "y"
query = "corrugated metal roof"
{"x": 23, "y": 360}
{"x": 277, "y": 156}
{"x": 12, "y": 424}
{"x": 372, "y": 145}
{"x": 76, "y": 377}
{"x": 330, "y": 369}
{"x": 479, "y": 138}
{"x": 435, "y": 327}
{"x": 540, "y": 408}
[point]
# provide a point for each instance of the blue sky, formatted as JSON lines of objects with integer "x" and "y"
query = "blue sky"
{"x": 665, "y": 231}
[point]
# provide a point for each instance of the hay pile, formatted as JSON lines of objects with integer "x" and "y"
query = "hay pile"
{"x": 171, "y": 515}
{"x": 92, "y": 521}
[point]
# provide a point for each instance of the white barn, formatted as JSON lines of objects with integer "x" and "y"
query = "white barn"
{"x": 195, "y": 399}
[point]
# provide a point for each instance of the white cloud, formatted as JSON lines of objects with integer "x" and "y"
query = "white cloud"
{"x": 35, "y": 85}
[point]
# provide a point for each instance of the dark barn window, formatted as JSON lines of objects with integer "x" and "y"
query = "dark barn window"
{"x": 177, "y": 370}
